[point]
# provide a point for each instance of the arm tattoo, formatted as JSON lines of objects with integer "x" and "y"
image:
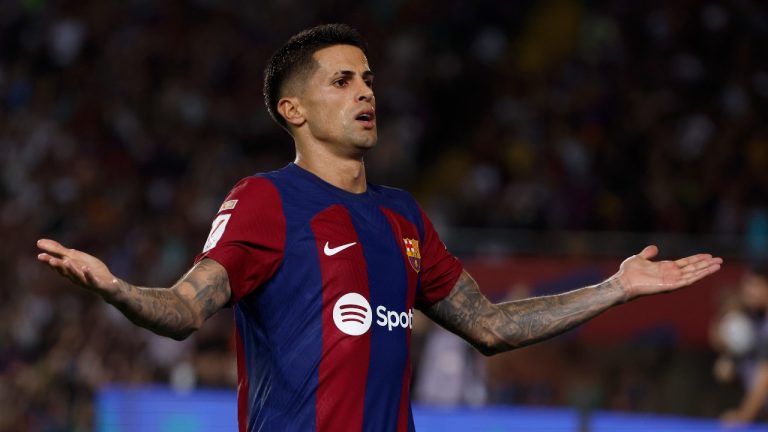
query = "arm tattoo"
{"x": 177, "y": 311}
{"x": 494, "y": 328}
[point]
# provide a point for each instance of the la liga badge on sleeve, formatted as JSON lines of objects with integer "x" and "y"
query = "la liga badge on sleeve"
{"x": 412, "y": 251}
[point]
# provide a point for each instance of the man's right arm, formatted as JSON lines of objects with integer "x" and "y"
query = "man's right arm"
{"x": 175, "y": 312}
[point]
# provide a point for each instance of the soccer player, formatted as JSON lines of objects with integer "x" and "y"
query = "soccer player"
{"x": 323, "y": 269}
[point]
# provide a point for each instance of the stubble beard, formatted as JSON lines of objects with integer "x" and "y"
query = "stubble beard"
{"x": 363, "y": 141}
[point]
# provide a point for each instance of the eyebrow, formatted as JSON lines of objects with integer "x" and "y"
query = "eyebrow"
{"x": 350, "y": 74}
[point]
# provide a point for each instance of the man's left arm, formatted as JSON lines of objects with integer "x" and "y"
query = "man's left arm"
{"x": 494, "y": 328}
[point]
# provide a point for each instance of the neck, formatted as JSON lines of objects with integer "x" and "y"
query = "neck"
{"x": 344, "y": 173}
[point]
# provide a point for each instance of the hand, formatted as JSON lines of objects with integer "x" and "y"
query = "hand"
{"x": 79, "y": 267}
{"x": 640, "y": 276}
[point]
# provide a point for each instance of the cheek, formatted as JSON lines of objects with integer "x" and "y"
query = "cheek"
{"x": 318, "y": 117}
{"x": 335, "y": 122}
{"x": 325, "y": 114}
{"x": 328, "y": 122}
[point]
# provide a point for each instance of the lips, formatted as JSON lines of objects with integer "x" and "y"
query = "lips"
{"x": 367, "y": 118}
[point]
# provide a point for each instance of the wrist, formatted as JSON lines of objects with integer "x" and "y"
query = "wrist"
{"x": 620, "y": 283}
{"x": 116, "y": 292}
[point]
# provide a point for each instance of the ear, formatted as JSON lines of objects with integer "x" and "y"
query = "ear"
{"x": 290, "y": 109}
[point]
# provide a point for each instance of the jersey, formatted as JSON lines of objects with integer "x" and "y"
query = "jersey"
{"x": 324, "y": 283}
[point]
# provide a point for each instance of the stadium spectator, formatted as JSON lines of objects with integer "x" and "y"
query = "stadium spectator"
{"x": 741, "y": 336}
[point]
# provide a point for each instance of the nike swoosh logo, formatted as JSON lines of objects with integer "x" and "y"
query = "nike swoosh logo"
{"x": 329, "y": 251}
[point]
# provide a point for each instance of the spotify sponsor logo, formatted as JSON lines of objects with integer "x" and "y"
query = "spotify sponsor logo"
{"x": 352, "y": 315}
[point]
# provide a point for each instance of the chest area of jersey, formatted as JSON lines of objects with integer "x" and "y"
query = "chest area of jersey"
{"x": 369, "y": 262}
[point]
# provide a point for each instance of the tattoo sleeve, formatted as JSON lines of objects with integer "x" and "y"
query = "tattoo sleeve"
{"x": 178, "y": 311}
{"x": 494, "y": 328}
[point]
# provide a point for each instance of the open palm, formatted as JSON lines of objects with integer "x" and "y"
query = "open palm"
{"x": 641, "y": 276}
{"x": 79, "y": 267}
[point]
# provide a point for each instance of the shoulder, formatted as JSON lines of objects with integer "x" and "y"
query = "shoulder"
{"x": 251, "y": 195}
{"x": 253, "y": 186}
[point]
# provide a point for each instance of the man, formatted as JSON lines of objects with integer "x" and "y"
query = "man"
{"x": 742, "y": 338}
{"x": 308, "y": 254}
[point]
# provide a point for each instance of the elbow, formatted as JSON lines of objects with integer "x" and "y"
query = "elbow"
{"x": 490, "y": 345}
{"x": 183, "y": 333}
{"x": 487, "y": 351}
{"x": 179, "y": 336}
{"x": 492, "y": 350}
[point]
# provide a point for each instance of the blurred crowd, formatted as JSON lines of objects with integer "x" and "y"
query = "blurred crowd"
{"x": 123, "y": 125}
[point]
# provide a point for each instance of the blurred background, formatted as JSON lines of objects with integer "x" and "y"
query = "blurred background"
{"x": 547, "y": 141}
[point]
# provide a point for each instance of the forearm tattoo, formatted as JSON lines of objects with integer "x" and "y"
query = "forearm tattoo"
{"x": 177, "y": 311}
{"x": 494, "y": 328}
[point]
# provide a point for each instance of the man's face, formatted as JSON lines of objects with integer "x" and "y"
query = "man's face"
{"x": 754, "y": 292}
{"x": 338, "y": 101}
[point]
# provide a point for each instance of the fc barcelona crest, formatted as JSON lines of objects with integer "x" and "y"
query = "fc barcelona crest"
{"x": 412, "y": 251}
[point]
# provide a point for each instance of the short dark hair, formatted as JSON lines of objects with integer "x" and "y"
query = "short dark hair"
{"x": 295, "y": 58}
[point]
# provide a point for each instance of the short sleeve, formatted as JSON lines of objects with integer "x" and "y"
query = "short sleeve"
{"x": 247, "y": 236}
{"x": 439, "y": 269}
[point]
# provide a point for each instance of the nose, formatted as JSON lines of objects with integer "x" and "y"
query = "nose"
{"x": 366, "y": 95}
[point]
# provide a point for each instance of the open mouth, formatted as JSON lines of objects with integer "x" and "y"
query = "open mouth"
{"x": 367, "y": 118}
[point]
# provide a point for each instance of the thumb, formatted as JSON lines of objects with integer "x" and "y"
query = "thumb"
{"x": 649, "y": 252}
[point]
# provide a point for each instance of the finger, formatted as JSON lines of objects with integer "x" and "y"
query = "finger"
{"x": 44, "y": 257}
{"x": 698, "y": 275}
{"x": 64, "y": 267}
{"x": 75, "y": 272}
{"x": 702, "y": 264}
{"x": 682, "y": 262}
{"x": 649, "y": 252}
{"x": 56, "y": 263}
{"x": 685, "y": 278}
{"x": 53, "y": 247}
{"x": 60, "y": 267}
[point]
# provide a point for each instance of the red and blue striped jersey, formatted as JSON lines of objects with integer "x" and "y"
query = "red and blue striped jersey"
{"x": 324, "y": 283}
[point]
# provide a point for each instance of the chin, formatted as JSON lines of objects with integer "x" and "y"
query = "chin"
{"x": 367, "y": 143}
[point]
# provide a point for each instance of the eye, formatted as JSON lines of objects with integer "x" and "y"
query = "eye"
{"x": 341, "y": 82}
{"x": 369, "y": 83}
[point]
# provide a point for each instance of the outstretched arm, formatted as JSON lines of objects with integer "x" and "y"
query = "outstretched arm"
{"x": 175, "y": 312}
{"x": 494, "y": 328}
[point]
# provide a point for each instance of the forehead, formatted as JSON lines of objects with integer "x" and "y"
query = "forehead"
{"x": 336, "y": 58}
